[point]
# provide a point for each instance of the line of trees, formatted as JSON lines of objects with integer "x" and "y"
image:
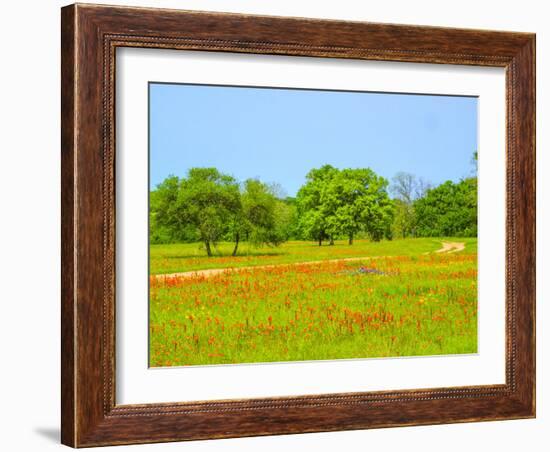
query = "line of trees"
{"x": 209, "y": 206}
{"x": 421, "y": 210}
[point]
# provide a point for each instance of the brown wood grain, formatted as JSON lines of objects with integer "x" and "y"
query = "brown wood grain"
{"x": 90, "y": 36}
{"x": 67, "y": 226}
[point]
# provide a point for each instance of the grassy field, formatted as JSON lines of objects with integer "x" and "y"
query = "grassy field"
{"x": 191, "y": 256}
{"x": 402, "y": 299}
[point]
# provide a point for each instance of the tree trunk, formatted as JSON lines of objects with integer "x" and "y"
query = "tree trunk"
{"x": 237, "y": 237}
{"x": 320, "y": 241}
{"x": 350, "y": 241}
{"x": 331, "y": 240}
{"x": 208, "y": 249}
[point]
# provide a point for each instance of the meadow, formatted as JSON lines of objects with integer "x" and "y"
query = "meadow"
{"x": 183, "y": 257}
{"x": 301, "y": 302}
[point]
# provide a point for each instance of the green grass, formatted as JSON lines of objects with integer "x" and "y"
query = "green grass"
{"x": 412, "y": 304}
{"x": 191, "y": 256}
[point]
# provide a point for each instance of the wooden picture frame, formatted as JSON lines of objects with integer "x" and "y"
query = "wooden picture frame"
{"x": 90, "y": 36}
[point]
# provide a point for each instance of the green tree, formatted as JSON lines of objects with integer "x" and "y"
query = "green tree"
{"x": 206, "y": 200}
{"x": 448, "y": 210}
{"x": 311, "y": 213}
{"x": 259, "y": 217}
{"x": 336, "y": 203}
{"x": 288, "y": 220}
{"x": 406, "y": 188}
{"x": 356, "y": 200}
{"x": 210, "y": 206}
{"x": 404, "y": 219}
{"x": 162, "y": 205}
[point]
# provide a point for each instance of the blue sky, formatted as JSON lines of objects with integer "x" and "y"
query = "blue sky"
{"x": 278, "y": 135}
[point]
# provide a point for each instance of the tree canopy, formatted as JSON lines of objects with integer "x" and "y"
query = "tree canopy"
{"x": 448, "y": 210}
{"x": 335, "y": 203}
{"x": 206, "y": 200}
{"x": 406, "y": 188}
{"x": 210, "y": 206}
{"x": 258, "y": 217}
{"x": 312, "y": 212}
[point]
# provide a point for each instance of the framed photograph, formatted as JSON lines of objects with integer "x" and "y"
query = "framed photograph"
{"x": 280, "y": 225}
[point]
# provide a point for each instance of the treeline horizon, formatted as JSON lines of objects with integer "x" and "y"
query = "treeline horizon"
{"x": 209, "y": 206}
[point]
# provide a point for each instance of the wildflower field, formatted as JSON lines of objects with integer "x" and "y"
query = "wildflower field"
{"x": 300, "y": 301}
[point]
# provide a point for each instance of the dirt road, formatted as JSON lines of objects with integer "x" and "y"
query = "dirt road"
{"x": 216, "y": 271}
{"x": 451, "y": 247}
{"x": 447, "y": 247}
